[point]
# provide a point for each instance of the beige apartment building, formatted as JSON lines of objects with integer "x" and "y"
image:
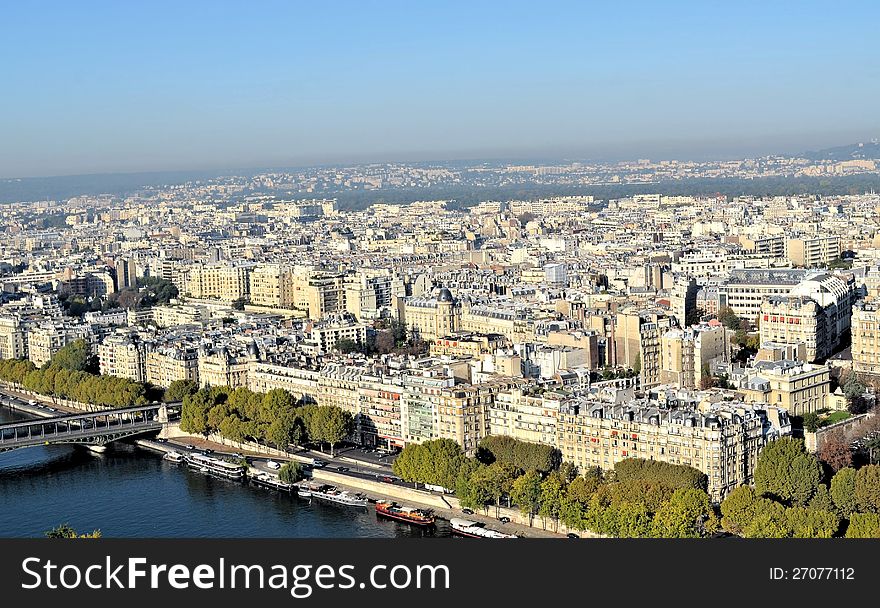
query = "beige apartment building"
{"x": 263, "y": 377}
{"x": 463, "y": 411}
{"x": 466, "y": 345}
{"x": 526, "y": 417}
{"x": 866, "y": 338}
{"x": 223, "y": 281}
{"x": 168, "y": 363}
{"x": 218, "y": 367}
{"x": 814, "y": 251}
{"x": 722, "y": 442}
{"x": 636, "y": 342}
{"x": 46, "y": 339}
{"x": 431, "y": 318}
{"x": 685, "y": 354}
{"x": 798, "y": 321}
{"x": 326, "y": 335}
{"x": 793, "y": 385}
{"x": 318, "y": 293}
{"x": 123, "y": 355}
{"x": 272, "y": 285}
{"x": 13, "y": 338}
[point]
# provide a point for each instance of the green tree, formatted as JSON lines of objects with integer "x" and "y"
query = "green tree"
{"x": 843, "y": 491}
{"x": 553, "y": 493}
{"x": 867, "y": 490}
{"x": 769, "y": 522}
{"x": 811, "y": 422}
{"x": 738, "y": 509}
{"x": 673, "y": 475}
{"x": 331, "y": 424}
{"x": 232, "y": 428}
{"x": 637, "y": 364}
{"x": 179, "y": 389}
{"x": 76, "y": 356}
{"x": 864, "y": 525}
{"x": 809, "y": 523}
{"x": 522, "y": 455}
{"x": 822, "y": 500}
{"x": 729, "y": 318}
{"x": 280, "y": 431}
{"x": 65, "y": 531}
{"x": 526, "y": 493}
{"x": 291, "y": 472}
{"x": 346, "y": 346}
{"x": 786, "y": 471}
{"x": 474, "y": 490}
{"x": 500, "y": 478}
{"x": 853, "y": 388}
{"x": 632, "y": 521}
{"x": 194, "y": 413}
{"x": 688, "y": 514}
{"x": 437, "y": 461}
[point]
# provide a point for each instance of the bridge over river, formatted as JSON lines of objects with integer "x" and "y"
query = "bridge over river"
{"x": 92, "y": 429}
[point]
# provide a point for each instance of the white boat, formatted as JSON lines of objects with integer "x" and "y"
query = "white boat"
{"x": 472, "y": 529}
{"x": 265, "y": 480}
{"x": 303, "y": 492}
{"x": 342, "y": 497}
{"x": 215, "y": 466}
{"x": 175, "y": 457}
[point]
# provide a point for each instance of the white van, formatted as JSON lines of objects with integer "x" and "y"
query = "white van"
{"x": 273, "y": 465}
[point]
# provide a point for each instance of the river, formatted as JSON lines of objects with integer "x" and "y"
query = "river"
{"x": 130, "y": 491}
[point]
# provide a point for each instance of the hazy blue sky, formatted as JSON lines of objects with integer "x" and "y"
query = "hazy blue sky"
{"x": 151, "y": 85}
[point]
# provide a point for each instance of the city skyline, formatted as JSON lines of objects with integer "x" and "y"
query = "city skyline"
{"x": 163, "y": 88}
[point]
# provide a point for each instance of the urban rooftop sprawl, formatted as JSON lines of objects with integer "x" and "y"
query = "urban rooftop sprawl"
{"x": 694, "y": 330}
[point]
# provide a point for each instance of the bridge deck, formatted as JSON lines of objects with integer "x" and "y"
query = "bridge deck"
{"x": 98, "y": 427}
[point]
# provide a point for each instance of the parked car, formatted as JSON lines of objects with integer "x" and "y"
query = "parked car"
{"x": 342, "y": 469}
{"x": 190, "y": 447}
{"x": 318, "y": 463}
{"x": 385, "y": 478}
{"x": 572, "y": 535}
{"x": 504, "y": 519}
{"x": 273, "y": 465}
{"x": 467, "y": 511}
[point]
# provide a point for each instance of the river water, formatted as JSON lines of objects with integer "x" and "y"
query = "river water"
{"x": 131, "y": 492}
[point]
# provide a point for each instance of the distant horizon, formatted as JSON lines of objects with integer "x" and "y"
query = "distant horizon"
{"x": 105, "y": 87}
{"x": 468, "y": 160}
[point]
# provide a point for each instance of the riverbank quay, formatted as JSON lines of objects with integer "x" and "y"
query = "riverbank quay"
{"x": 447, "y": 506}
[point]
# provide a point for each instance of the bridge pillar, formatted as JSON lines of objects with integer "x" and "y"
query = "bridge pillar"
{"x": 163, "y": 414}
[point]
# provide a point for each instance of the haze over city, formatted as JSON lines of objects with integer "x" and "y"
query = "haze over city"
{"x": 486, "y": 270}
{"x": 124, "y": 87}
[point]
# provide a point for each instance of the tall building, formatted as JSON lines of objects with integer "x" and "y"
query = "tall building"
{"x": 47, "y": 338}
{"x": 723, "y": 440}
{"x": 227, "y": 282}
{"x": 170, "y": 362}
{"x": 370, "y": 293}
{"x": 434, "y": 317}
{"x": 686, "y": 354}
{"x": 816, "y": 313}
{"x": 318, "y": 293}
{"x": 525, "y": 417}
{"x": 272, "y": 285}
{"x": 556, "y": 274}
{"x": 866, "y": 337}
{"x": 793, "y": 385}
{"x": 637, "y": 342}
{"x": 126, "y": 273}
{"x": 811, "y": 252}
{"x": 13, "y": 338}
{"x": 123, "y": 355}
